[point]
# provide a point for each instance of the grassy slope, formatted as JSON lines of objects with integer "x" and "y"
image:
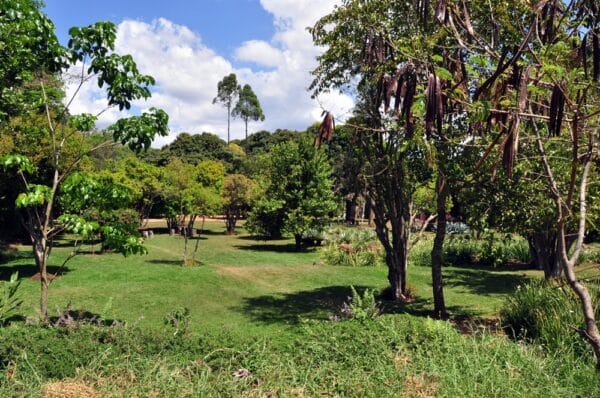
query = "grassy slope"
{"x": 247, "y": 300}
{"x": 249, "y": 286}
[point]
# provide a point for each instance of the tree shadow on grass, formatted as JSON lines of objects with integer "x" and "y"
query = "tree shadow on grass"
{"x": 484, "y": 281}
{"x": 290, "y": 308}
{"x": 321, "y": 303}
{"x": 266, "y": 247}
{"x": 28, "y": 270}
{"x": 422, "y": 307}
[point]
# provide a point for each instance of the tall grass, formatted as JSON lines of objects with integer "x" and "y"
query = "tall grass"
{"x": 549, "y": 314}
{"x": 390, "y": 356}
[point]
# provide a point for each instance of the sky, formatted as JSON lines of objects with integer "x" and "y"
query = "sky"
{"x": 189, "y": 46}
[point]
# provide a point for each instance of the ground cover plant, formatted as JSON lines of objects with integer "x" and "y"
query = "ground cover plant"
{"x": 258, "y": 323}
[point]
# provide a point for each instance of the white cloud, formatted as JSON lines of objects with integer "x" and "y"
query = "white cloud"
{"x": 187, "y": 73}
{"x": 259, "y": 52}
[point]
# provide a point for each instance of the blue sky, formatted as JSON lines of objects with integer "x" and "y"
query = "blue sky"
{"x": 188, "y": 46}
{"x": 222, "y": 24}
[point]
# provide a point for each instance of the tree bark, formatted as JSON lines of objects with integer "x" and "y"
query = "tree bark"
{"x": 351, "y": 211}
{"x": 437, "y": 252}
{"x": 543, "y": 246}
{"x": 298, "y": 241}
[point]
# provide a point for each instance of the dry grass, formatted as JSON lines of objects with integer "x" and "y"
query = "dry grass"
{"x": 68, "y": 389}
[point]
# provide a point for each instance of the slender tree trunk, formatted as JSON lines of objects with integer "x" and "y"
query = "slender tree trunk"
{"x": 351, "y": 210}
{"x": 246, "y": 120}
{"x": 437, "y": 253}
{"x": 40, "y": 250}
{"x": 228, "y": 120}
{"x": 298, "y": 240}
{"x": 543, "y": 247}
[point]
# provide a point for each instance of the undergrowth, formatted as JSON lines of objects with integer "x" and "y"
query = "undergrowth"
{"x": 389, "y": 356}
{"x": 548, "y": 313}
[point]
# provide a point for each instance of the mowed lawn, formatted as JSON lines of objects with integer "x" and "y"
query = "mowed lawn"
{"x": 241, "y": 285}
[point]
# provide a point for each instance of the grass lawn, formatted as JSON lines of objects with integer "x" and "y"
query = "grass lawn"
{"x": 257, "y": 331}
{"x": 243, "y": 285}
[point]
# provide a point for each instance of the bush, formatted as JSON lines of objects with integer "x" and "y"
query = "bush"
{"x": 9, "y": 302}
{"x": 461, "y": 250}
{"x": 548, "y": 313}
{"x": 352, "y": 247}
{"x": 361, "y": 307}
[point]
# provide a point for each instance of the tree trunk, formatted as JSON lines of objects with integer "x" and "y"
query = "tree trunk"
{"x": 298, "y": 240}
{"x": 437, "y": 253}
{"x": 543, "y": 246}
{"x": 228, "y": 120}
{"x": 246, "y": 120}
{"x": 351, "y": 211}
{"x": 230, "y": 221}
{"x": 40, "y": 251}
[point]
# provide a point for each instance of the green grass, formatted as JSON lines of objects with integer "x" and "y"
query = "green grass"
{"x": 264, "y": 307}
{"x": 251, "y": 287}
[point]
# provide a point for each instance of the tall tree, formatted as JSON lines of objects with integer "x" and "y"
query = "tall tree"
{"x": 298, "y": 195}
{"x": 516, "y": 74}
{"x": 228, "y": 90}
{"x": 93, "y": 47}
{"x": 248, "y": 107}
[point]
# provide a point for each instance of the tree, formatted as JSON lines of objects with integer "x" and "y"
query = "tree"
{"x": 191, "y": 191}
{"x": 514, "y": 74}
{"x": 298, "y": 195}
{"x": 93, "y": 47}
{"x": 392, "y": 140}
{"x": 248, "y": 107}
{"x": 227, "y": 90}
{"x": 239, "y": 192}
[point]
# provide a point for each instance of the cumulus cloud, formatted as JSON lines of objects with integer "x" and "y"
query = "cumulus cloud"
{"x": 187, "y": 72}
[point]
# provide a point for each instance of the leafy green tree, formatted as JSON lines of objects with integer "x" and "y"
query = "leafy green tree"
{"x": 298, "y": 196}
{"x": 191, "y": 191}
{"x": 239, "y": 193}
{"x": 228, "y": 90}
{"x": 123, "y": 82}
{"x": 248, "y": 107}
{"x": 30, "y": 50}
{"x": 514, "y": 84}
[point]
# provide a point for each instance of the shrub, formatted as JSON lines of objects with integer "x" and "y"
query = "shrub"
{"x": 352, "y": 247}
{"x": 549, "y": 314}
{"x": 490, "y": 251}
{"x": 9, "y": 302}
{"x": 361, "y": 307}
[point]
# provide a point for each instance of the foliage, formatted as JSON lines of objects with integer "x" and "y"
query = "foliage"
{"x": 462, "y": 250}
{"x": 361, "y": 307}
{"x": 9, "y": 301}
{"x": 239, "y": 193}
{"x": 248, "y": 107}
{"x": 298, "y": 195}
{"x": 415, "y": 356}
{"x": 548, "y": 313}
{"x": 179, "y": 320}
{"x": 227, "y": 90}
{"x": 352, "y": 247}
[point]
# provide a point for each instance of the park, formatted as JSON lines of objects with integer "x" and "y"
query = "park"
{"x": 440, "y": 237}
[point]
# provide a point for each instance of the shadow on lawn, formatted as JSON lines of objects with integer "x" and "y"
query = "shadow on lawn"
{"x": 28, "y": 270}
{"x": 484, "y": 281}
{"x": 320, "y": 303}
{"x": 267, "y": 247}
{"x": 290, "y": 308}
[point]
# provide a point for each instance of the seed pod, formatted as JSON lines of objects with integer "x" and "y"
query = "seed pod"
{"x": 557, "y": 108}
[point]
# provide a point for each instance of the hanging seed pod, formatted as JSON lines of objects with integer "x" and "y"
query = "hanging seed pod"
{"x": 467, "y": 20}
{"x": 430, "y": 108}
{"x": 508, "y": 150}
{"x": 326, "y": 129}
{"x": 557, "y": 108}
{"x": 440, "y": 11}
{"x": 596, "y": 53}
{"x": 583, "y": 56}
{"x": 390, "y": 87}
